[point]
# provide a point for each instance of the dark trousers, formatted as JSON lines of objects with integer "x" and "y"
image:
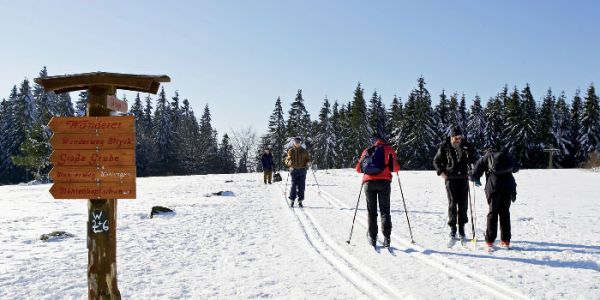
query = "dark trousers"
{"x": 458, "y": 193}
{"x": 267, "y": 174}
{"x": 499, "y": 203}
{"x": 298, "y": 184}
{"x": 379, "y": 191}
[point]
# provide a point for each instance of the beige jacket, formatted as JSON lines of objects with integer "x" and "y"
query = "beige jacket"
{"x": 297, "y": 158}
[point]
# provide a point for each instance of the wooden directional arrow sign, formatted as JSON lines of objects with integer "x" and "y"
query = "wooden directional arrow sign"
{"x": 93, "y": 175}
{"x": 91, "y": 141}
{"x": 92, "y": 191}
{"x": 115, "y": 104}
{"x": 92, "y": 124}
{"x": 93, "y": 158}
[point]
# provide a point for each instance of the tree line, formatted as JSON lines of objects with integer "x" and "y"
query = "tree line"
{"x": 170, "y": 140}
{"x": 511, "y": 121}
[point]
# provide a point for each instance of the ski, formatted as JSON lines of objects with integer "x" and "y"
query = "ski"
{"x": 451, "y": 242}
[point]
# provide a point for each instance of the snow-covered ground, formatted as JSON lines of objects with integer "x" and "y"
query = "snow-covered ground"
{"x": 251, "y": 245}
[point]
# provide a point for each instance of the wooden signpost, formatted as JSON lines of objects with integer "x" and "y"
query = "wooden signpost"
{"x": 94, "y": 159}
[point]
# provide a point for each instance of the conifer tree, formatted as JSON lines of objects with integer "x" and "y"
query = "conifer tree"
{"x": 463, "y": 118}
{"x": 35, "y": 152}
{"x": 396, "y": 116}
{"x": 326, "y": 142}
{"x": 208, "y": 143}
{"x": 162, "y": 139}
{"x": 226, "y": 156}
{"x": 589, "y": 135}
{"x": 141, "y": 160}
{"x": 561, "y": 127}
{"x": 64, "y": 105}
{"x": 419, "y": 145}
{"x": 494, "y": 124}
{"x": 277, "y": 134}
{"x": 361, "y": 132}
{"x": 442, "y": 117}
{"x": 476, "y": 125}
{"x": 81, "y": 104}
{"x": 545, "y": 120}
{"x": 377, "y": 116}
{"x": 575, "y": 153}
{"x": 45, "y": 102}
{"x": 453, "y": 115}
{"x": 299, "y": 119}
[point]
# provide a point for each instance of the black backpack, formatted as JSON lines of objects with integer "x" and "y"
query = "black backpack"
{"x": 374, "y": 160}
{"x": 500, "y": 163}
{"x": 277, "y": 177}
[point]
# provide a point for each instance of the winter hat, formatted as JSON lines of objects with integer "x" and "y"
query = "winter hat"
{"x": 297, "y": 140}
{"x": 455, "y": 131}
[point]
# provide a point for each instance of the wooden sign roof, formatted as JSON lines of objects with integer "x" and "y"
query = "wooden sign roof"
{"x": 75, "y": 82}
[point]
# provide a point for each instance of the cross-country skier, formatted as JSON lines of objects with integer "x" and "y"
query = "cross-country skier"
{"x": 452, "y": 160}
{"x": 500, "y": 190}
{"x": 298, "y": 160}
{"x": 267, "y": 165}
{"x": 377, "y": 162}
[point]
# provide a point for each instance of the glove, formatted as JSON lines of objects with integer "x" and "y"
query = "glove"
{"x": 513, "y": 197}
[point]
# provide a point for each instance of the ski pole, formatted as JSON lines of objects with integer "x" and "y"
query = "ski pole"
{"x": 472, "y": 207}
{"x": 405, "y": 210}
{"x": 286, "y": 181}
{"x": 355, "y": 210}
{"x": 315, "y": 177}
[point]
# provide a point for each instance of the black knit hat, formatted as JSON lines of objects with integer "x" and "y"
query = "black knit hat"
{"x": 455, "y": 130}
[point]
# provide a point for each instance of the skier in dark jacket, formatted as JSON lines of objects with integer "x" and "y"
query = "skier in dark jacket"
{"x": 267, "y": 165}
{"x": 452, "y": 161}
{"x": 378, "y": 188}
{"x": 500, "y": 190}
{"x": 298, "y": 160}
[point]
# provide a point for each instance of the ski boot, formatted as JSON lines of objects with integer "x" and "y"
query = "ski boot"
{"x": 386, "y": 241}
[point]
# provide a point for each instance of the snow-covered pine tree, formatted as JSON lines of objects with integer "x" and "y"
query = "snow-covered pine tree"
{"x": 5, "y": 141}
{"x": 299, "y": 119}
{"x": 575, "y": 154}
{"x": 476, "y": 125}
{"x": 589, "y": 135}
{"x": 462, "y": 116}
{"x": 453, "y": 115}
{"x": 64, "y": 105}
{"x": 325, "y": 146}
{"x": 420, "y": 141}
{"x": 162, "y": 139}
{"x": 336, "y": 124}
{"x": 346, "y": 152}
{"x": 441, "y": 117}
{"x": 177, "y": 141}
{"x": 561, "y": 127}
{"x": 208, "y": 143}
{"x": 494, "y": 123}
{"x": 546, "y": 118}
{"x": 81, "y": 104}
{"x": 395, "y": 117}
{"x": 141, "y": 160}
{"x": 376, "y": 116}
{"x": 45, "y": 102}
{"x": 189, "y": 148}
{"x": 277, "y": 134}
{"x": 361, "y": 132}
{"x": 521, "y": 127}
{"x": 226, "y": 156}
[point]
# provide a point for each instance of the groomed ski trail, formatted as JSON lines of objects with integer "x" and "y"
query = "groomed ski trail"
{"x": 428, "y": 256}
{"x": 361, "y": 276}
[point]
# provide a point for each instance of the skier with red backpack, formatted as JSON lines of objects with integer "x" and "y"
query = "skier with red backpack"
{"x": 377, "y": 163}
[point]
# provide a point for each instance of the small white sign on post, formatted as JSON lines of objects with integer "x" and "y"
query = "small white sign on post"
{"x": 115, "y": 104}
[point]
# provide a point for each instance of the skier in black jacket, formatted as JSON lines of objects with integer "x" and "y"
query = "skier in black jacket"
{"x": 500, "y": 190}
{"x": 267, "y": 164}
{"x": 452, "y": 161}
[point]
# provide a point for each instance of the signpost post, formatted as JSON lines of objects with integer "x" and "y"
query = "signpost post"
{"x": 94, "y": 158}
{"x": 550, "y": 156}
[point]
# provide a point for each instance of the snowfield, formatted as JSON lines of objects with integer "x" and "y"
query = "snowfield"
{"x": 252, "y": 245}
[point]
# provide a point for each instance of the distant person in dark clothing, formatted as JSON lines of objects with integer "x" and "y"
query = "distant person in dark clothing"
{"x": 500, "y": 190}
{"x": 452, "y": 161}
{"x": 298, "y": 160}
{"x": 378, "y": 162}
{"x": 267, "y": 165}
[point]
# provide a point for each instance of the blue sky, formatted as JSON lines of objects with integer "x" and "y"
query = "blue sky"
{"x": 238, "y": 56}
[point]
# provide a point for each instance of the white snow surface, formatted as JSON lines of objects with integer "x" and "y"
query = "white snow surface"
{"x": 252, "y": 245}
